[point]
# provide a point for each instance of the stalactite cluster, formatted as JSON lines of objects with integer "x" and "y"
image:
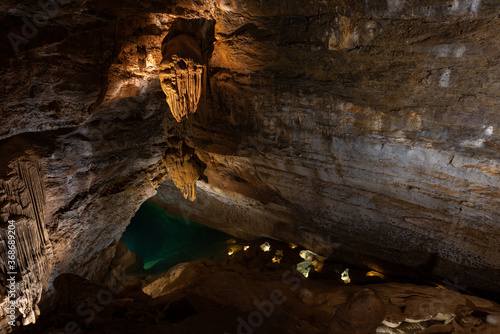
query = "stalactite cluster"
{"x": 23, "y": 200}
{"x": 181, "y": 75}
{"x": 184, "y": 174}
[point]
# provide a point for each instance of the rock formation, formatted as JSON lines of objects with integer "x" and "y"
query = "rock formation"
{"x": 362, "y": 130}
{"x": 362, "y": 314}
{"x": 184, "y": 173}
{"x": 360, "y": 121}
{"x": 181, "y": 75}
{"x": 241, "y": 296}
{"x": 23, "y": 195}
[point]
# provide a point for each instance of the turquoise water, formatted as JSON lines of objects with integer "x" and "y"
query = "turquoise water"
{"x": 163, "y": 240}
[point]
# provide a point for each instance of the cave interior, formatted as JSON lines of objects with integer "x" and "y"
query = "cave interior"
{"x": 249, "y": 166}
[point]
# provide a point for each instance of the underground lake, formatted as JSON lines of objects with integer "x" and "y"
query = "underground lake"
{"x": 163, "y": 240}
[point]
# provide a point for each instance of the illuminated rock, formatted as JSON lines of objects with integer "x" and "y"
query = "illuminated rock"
{"x": 234, "y": 248}
{"x": 345, "y": 276}
{"x": 278, "y": 256}
{"x": 181, "y": 73}
{"x": 24, "y": 198}
{"x": 304, "y": 268}
{"x": 493, "y": 319}
{"x": 314, "y": 259}
{"x": 184, "y": 173}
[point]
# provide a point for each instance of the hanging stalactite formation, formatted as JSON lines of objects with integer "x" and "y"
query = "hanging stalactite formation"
{"x": 184, "y": 173}
{"x": 23, "y": 203}
{"x": 181, "y": 74}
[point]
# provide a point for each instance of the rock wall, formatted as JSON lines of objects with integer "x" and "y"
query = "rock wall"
{"x": 366, "y": 128}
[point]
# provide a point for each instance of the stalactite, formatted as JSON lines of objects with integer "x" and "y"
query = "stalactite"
{"x": 23, "y": 198}
{"x": 184, "y": 173}
{"x": 181, "y": 75}
{"x": 189, "y": 191}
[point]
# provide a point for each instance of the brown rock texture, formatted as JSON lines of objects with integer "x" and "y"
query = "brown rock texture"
{"x": 87, "y": 103}
{"x": 368, "y": 130}
{"x": 362, "y": 314}
{"x": 357, "y": 128}
{"x": 251, "y": 294}
{"x": 184, "y": 173}
{"x": 181, "y": 75}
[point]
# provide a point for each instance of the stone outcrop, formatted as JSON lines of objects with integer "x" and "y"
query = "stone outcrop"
{"x": 362, "y": 313}
{"x": 91, "y": 111}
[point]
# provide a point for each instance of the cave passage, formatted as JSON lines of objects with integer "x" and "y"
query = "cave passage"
{"x": 163, "y": 240}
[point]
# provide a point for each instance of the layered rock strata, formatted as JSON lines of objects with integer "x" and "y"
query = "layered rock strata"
{"x": 369, "y": 130}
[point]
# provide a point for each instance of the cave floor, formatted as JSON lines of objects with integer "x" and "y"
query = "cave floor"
{"x": 251, "y": 293}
